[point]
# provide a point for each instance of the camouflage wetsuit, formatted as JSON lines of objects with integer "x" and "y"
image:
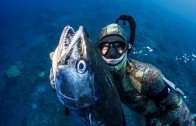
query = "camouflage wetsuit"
{"x": 141, "y": 86}
{"x": 142, "y": 89}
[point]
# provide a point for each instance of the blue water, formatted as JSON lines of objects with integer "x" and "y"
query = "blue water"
{"x": 30, "y": 30}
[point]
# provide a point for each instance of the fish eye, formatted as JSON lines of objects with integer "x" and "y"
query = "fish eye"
{"x": 81, "y": 66}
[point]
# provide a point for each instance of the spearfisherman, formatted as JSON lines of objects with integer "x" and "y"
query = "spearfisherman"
{"x": 141, "y": 86}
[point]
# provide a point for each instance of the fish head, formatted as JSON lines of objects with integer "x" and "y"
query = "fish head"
{"x": 72, "y": 69}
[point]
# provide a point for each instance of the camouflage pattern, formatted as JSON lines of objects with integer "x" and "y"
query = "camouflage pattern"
{"x": 112, "y": 29}
{"x": 138, "y": 84}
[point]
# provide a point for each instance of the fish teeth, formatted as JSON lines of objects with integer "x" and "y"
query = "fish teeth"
{"x": 68, "y": 36}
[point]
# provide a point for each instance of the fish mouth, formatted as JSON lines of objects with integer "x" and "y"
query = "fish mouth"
{"x": 68, "y": 35}
{"x": 69, "y": 38}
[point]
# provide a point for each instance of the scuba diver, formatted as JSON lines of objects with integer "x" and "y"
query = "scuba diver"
{"x": 141, "y": 87}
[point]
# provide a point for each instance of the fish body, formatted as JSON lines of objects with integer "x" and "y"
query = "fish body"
{"x": 83, "y": 82}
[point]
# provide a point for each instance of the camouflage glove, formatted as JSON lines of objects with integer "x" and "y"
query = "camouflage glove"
{"x": 52, "y": 79}
{"x": 51, "y": 73}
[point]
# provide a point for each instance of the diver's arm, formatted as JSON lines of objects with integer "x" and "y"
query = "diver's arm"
{"x": 157, "y": 90}
{"x": 172, "y": 106}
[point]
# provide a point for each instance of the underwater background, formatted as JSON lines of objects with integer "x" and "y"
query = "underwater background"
{"x": 30, "y": 30}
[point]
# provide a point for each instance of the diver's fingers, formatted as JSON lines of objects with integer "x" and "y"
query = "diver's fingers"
{"x": 51, "y": 55}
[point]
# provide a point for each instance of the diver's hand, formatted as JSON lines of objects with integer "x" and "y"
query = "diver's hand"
{"x": 52, "y": 79}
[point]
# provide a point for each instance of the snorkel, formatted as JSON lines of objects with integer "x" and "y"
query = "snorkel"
{"x": 132, "y": 27}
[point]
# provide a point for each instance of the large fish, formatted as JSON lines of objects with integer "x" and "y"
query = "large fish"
{"x": 83, "y": 82}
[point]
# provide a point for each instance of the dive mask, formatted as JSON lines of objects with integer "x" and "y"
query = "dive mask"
{"x": 113, "y": 47}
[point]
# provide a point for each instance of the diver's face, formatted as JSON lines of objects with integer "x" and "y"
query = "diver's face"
{"x": 112, "y": 50}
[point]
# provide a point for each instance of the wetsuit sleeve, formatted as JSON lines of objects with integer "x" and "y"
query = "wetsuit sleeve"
{"x": 156, "y": 89}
